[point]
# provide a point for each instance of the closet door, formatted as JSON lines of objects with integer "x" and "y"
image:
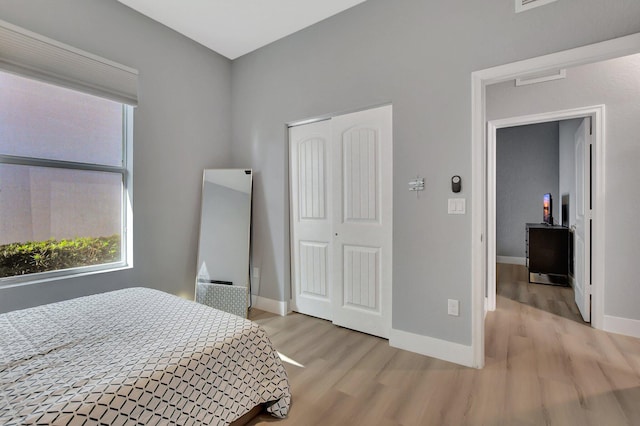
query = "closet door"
{"x": 362, "y": 220}
{"x": 341, "y": 219}
{"x": 311, "y": 204}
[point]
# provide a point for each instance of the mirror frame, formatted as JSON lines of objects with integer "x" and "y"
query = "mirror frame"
{"x": 205, "y": 179}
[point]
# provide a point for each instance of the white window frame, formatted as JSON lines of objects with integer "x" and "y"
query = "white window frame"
{"x": 126, "y": 212}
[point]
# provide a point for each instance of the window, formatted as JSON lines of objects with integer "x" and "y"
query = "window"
{"x": 63, "y": 180}
{"x": 65, "y": 176}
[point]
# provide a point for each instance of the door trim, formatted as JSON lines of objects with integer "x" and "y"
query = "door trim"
{"x": 597, "y": 114}
{"x": 610, "y": 49}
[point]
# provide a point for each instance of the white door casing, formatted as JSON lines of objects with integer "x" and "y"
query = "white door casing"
{"x": 614, "y": 48}
{"x": 311, "y": 206}
{"x": 341, "y": 216}
{"x": 582, "y": 227}
{"x": 362, "y": 221}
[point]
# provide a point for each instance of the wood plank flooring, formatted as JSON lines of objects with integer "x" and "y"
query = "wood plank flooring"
{"x": 544, "y": 366}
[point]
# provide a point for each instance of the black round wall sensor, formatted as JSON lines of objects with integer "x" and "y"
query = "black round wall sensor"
{"x": 456, "y": 183}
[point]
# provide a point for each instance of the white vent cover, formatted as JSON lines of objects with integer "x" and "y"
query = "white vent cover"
{"x": 541, "y": 78}
{"x": 522, "y": 5}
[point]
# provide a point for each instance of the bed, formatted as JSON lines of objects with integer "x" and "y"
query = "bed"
{"x": 135, "y": 356}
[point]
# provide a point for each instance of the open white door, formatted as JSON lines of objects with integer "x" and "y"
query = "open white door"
{"x": 582, "y": 227}
{"x": 311, "y": 240}
{"x": 362, "y": 182}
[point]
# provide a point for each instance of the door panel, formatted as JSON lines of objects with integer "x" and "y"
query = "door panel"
{"x": 313, "y": 269}
{"x": 361, "y": 185}
{"x": 311, "y": 166}
{"x": 311, "y": 241}
{"x": 362, "y": 278}
{"x": 582, "y": 232}
{"x": 363, "y": 220}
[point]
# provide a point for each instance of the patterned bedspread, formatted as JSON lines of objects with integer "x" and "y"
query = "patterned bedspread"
{"x": 135, "y": 356}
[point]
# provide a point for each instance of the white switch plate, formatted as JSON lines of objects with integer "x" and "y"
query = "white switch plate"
{"x": 256, "y": 272}
{"x": 453, "y": 307}
{"x": 457, "y": 206}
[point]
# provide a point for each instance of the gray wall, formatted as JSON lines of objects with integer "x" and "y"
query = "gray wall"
{"x": 526, "y": 168}
{"x": 616, "y": 84}
{"x": 567, "y": 178}
{"x": 182, "y": 126}
{"x": 419, "y": 55}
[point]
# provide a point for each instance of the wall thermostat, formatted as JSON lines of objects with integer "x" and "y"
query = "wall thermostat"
{"x": 456, "y": 183}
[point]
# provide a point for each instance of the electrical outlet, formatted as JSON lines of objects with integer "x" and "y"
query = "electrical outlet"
{"x": 256, "y": 272}
{"x": 453, "y": 307}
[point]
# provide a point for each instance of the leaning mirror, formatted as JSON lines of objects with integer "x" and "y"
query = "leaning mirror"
{"x": 223, "y": 250}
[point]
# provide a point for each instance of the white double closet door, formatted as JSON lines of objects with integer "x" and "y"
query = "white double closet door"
{"x": 341, "y": 219}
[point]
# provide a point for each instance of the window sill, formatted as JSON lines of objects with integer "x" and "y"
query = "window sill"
{"x": 53, "y": 276}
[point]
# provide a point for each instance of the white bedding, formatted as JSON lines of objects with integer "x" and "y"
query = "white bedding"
{"x": 135, "y": 356}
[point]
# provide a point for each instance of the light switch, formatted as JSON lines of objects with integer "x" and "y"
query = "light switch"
{"x": 457, "y": 206}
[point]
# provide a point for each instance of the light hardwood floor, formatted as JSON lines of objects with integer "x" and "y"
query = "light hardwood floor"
{"x": 544, "y": 366}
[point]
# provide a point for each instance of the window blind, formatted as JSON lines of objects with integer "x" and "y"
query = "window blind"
{"x": 26, "y": 53}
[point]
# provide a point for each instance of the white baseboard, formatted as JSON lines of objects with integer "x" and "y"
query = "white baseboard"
{"x": 278, "y": 307}
{"x": 626, "y": 326}
{"x": 511, "y": 260}
{"x": 430, "y": 346}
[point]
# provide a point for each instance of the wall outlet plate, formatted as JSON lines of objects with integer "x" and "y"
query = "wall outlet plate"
{"x": 453, "y": 307}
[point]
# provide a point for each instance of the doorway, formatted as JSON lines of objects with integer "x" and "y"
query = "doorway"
{"x": 616, "y": 48}
{"x": 341, "y": 219}
{"x": 584, "y": 146}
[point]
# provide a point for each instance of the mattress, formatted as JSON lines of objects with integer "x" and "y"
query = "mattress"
{"x": 135, "y": 356}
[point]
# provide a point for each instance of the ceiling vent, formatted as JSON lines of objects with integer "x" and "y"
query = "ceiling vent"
{"x": 522, "y": 5}
{"x": 541, "y": 77}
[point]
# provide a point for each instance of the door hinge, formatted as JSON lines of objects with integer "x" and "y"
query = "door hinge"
{"x": 590, "y": 126}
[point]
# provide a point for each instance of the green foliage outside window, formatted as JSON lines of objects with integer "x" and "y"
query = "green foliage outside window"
{"x": 41, "y": 256}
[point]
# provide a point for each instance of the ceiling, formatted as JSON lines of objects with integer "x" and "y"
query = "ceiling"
{"x": 235, "y": 27}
